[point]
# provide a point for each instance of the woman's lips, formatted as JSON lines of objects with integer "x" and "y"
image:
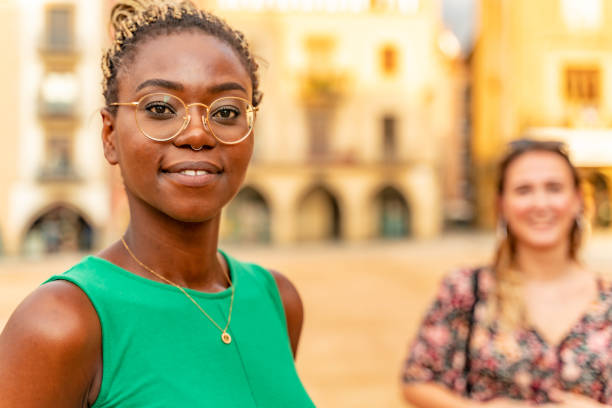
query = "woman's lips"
{"x": 192, "y": 173}
{"x": 179, "y": 167}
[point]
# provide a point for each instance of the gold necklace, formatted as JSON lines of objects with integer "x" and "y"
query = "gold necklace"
{"x": 225, "y": 336}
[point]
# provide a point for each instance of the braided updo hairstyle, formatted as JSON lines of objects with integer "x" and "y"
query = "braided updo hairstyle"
{"x": 133, "y": 21}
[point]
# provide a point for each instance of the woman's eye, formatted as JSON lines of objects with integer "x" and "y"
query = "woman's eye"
{"x": 554, "y": 187}
{"x": 160, "y": 109}
{"x": 226, "y": 113}
{"x": 522, "y": 190}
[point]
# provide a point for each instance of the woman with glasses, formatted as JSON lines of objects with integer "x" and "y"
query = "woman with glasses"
{"x": 162, "y": 318}
{"x": 535, "y": 327}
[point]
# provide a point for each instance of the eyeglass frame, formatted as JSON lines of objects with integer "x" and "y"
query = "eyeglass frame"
{"x": 187, "y": 119}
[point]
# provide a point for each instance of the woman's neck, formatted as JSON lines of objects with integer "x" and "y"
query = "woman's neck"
{"x": 183, "y": 252}
{"x": 549, "y": 264}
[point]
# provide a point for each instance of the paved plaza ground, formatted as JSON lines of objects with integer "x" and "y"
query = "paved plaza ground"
{"x": 363, "y": 303}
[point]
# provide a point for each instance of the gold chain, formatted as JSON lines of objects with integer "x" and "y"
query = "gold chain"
{"x": 225, "y": 336}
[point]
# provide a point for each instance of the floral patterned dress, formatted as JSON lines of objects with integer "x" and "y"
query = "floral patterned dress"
{"x": 519, "y": 364}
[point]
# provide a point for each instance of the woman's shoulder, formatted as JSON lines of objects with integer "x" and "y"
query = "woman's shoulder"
{"x": 463, "y": 280}
{"x": 460, "y": 285}
{"x": 57, "y": 320}
{"x": 60, "y": 304}
{"x": 53, "y": 334}
{"x": 57, "y": 310}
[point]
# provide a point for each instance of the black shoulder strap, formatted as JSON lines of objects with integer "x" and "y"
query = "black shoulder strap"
{"x": 467, "y": 367}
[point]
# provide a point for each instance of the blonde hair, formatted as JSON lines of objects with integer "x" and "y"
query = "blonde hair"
{"x": 133, "y": 21}
{"x": 507, "y": 305}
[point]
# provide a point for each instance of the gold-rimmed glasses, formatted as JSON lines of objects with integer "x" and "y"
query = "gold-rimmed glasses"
{"x": 161, "y": 117}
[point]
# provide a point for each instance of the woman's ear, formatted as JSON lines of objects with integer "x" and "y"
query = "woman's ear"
{"x": 499, "y": 210}
{"x": 109, "y": 137}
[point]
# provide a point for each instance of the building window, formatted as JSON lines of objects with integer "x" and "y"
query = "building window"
{"x": 582, "y": 85}
{"x": 58, "y": 163}
{"x": 59, "y": 32}
{"x": 389, "y": 128}
{"x": 388, "y": 60}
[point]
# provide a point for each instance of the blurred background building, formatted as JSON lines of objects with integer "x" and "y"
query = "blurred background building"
{"x": 54, "y": 185}
{"x": 549, "y": 78}
{"x": 357, "y": 137}
{"x": 351, "y": 141}
{"x": 378, "y": 119}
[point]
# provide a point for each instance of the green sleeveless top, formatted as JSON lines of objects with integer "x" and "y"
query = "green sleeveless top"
{"x": 160, "y": 351}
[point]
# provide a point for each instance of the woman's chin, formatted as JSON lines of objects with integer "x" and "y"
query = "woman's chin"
{"x": 193, "y": 215}
{"x": 543, "y": 240}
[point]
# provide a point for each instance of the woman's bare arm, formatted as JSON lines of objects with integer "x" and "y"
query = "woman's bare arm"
{"x": 50, "y": 350}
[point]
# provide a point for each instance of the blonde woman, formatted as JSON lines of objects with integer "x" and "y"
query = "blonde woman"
{"x": 536, "y": 326}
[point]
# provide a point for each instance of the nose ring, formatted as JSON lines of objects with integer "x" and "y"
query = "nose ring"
{"x": 199, "y": 148}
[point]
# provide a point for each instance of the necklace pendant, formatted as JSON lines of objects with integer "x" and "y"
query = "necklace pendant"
{"x": 226, "y": 338}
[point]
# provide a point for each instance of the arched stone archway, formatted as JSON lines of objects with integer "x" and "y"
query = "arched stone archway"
{"x": 247, "y": 218}
{"x": 602, "y": 211}
{"x": 60, "y": 228}
{"x": 393, "y": 214}
{"x": 318, "y": 216}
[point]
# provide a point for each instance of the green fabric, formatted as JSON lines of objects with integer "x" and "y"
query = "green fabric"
{"x": 160, "y": 351}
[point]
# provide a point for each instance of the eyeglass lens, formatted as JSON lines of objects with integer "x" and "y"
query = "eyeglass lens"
{"x": 162, "y": 116}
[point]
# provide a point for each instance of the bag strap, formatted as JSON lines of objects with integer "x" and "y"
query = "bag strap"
{"x": 468, "y": 362}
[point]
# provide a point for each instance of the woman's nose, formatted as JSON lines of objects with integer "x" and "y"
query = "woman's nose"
{"x": 197, "y": 134}
{"x": 541, "y": 198}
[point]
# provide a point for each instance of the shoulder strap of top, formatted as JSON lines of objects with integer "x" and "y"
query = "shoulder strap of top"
{"x": 275, "y": 294}
{"x": 467, "y": 367}
{"x": 263, "y": 278}
{"x": 83, "y": 275}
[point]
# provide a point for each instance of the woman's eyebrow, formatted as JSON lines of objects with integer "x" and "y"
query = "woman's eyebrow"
{"x": 227, "y": 86}
{"x": 162, "y": 83}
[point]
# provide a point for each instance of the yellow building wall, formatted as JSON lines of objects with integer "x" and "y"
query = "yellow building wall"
{"x": 9, "y": 107}
{"x": 519, "y": 63}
